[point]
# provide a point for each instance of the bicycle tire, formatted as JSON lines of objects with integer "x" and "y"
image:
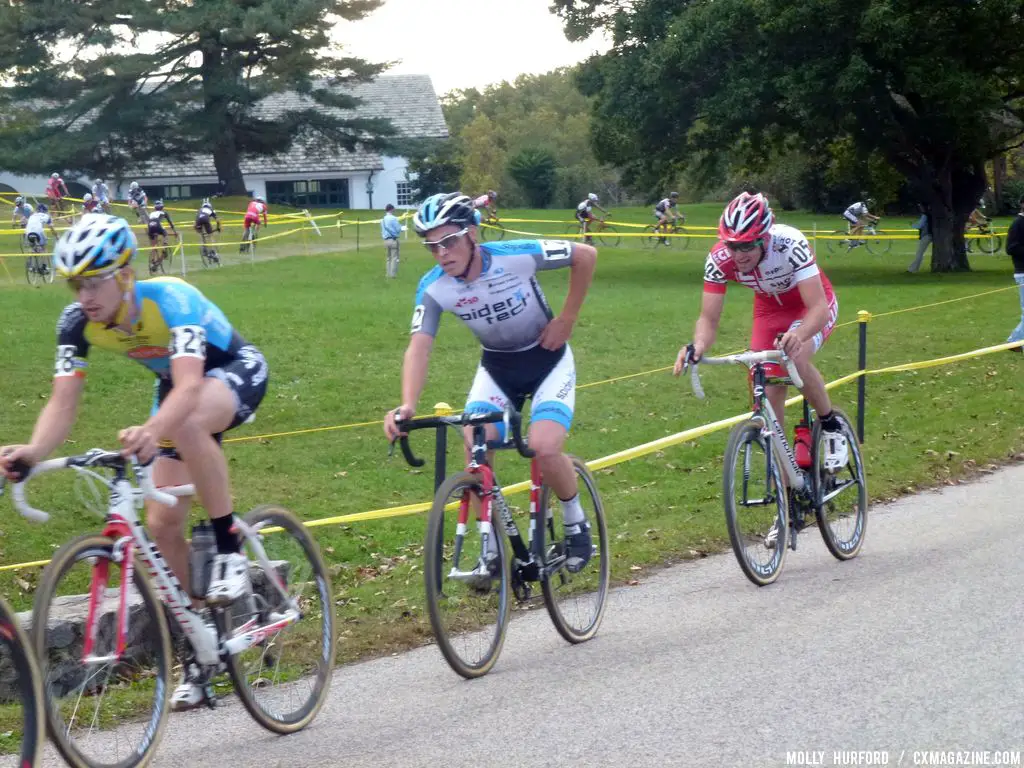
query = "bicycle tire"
{"x": 323, "y": 669}
{"x": 91, "y": 546}
{"x": 841, "y": 549}
{"x": 49, "y": 272}
{"x": 433, "y": 577}
{"x": 876, "y": 245}
{"x": 991, "y": 244}
{"x": 682, "y": 238}
{"x": 834, "y": 242}
{"x": 653, "y": 238}
{"x": 609, "y": 237}
{"x": 17, "y": 647}
{"x": 492, "y": 232}
{"x": 761, "y": 575}
{"x": 561, "y": 578}
{"x": 32, "y": 273}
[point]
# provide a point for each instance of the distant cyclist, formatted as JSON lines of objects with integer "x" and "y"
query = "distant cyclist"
{"x": 138, "y": 201}
{"x": 22, "y": 210}
{"x": 89, "y": 203}
{"x": 667, "y": 212}
{"x": 858, "y": 215}
{"x": 155, "y": 227}
{"x": 257, "y": 207}
{"x": 101, "y": 192}
{"x": 34, "y": 232}
{"x": 489, "y": 203}
{"x": 585, "y": 214}
{"x": 56, "y": 191}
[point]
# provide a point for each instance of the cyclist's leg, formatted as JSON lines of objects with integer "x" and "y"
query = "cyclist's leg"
{"x": 228, "y": 396}
{"x": 551, "y": 414}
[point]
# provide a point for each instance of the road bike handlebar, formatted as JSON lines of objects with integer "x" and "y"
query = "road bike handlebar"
{"x": 748, "y": 359}
{"x": 96, "y": 458}
{"x": 510, "y": 417}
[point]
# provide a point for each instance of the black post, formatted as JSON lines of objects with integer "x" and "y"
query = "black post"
{"x": 440, "y": 456}
{"x": 863, "y": 317}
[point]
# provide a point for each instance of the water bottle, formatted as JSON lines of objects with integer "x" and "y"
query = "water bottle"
{"x": 803, "y": 445}
{"x": 200, "y": 558}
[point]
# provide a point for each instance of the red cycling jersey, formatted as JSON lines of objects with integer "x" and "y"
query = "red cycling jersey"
{"x": 56, "y": 189}
{"x": 788, "y": 261}
{"x": 253, "y": 212}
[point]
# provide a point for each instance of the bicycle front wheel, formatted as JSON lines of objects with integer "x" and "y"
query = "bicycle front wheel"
{"x": 841, "y": 496}
{"x": 681, "y": 238}
{"x": 21, "y": 677}
{"x": 88, "y": 690}
{"x": 468, "y": 595}
{"x": 756, "y": 504}
{"x": 283, "y": 679}
{"x": 609, "y": 237}
{"x": 877, "y": 245}
{"x": 575, "y": 601}
{"x": 990, "y": 244}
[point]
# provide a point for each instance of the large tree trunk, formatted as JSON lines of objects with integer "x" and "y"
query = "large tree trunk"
{"x": 218, "y": 75}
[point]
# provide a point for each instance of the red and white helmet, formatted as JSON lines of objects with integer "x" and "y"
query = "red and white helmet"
{"x": 747, "y": 218}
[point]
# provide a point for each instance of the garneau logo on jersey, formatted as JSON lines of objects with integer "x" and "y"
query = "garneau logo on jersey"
{"x": 499, "y": 310}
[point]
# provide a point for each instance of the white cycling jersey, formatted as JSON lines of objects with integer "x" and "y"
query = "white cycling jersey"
{"x": 36, "y": 222}
{"x": 856, "y": 210}
{"x": 504, "y": 307}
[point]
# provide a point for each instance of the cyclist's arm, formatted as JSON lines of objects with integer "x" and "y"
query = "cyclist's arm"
{"x": 605, "y": 211}
{"x": 170, "y": 223}
{"x": 812, "y": 293}
{"x": 264, "y": 217}
{"x": 581, "y": 274}
{"x": 414, "y": 370}
{"x": 706, "y": 328}
{"x": 187, "y": 362}
{"x": 57, "y": 417}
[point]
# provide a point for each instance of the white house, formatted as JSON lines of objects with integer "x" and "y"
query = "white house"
{"x": 307, "y": 175}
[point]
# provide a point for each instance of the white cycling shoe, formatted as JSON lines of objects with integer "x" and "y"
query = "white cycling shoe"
{"x": 229, "y": 579}
{"x": 837, "y": 452}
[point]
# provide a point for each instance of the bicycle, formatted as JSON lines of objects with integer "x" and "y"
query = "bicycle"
{"x": 460, "y": 617}
{"x": 157, "y": 257}
{"x": 987, "y": 240}
{"x": 869, "y": 238}
{"x": 124, "y": 652}
{"x": 602, "y": 231}
{"x": 491, "y": 229}
{"x": 248, "y": 246}
{"x": 37, "y": 267}
{"x": 672, "y": 235}
{"x": 781, "y": 509}
{"x": 21, "y": 676}
{"x": 208, "y": 253}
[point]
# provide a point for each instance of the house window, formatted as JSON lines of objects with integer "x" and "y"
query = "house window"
{"x": 403, "y": 193}
{"x": 326, "y": 193}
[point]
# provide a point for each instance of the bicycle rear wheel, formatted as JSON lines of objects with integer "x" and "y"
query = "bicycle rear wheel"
{"x": 83, "y": 579}
{"x": 32, "y": 272}
{"x": 841, "y": 497}
{"x": 45, "y": 263}
{"x": 21, "y": 675}
{"x": 653, "y": 238}
{"x": 468, "y": 596}
{"x": 576, "y": 601}
{"x": 756, "y": 504}
{"x": 283, "y": 679}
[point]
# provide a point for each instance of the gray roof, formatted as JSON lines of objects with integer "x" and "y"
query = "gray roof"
{"x": 409, "y": 101}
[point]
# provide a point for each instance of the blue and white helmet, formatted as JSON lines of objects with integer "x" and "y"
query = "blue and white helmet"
{"x": 440, "y": 209}
{"x": 96, "y": 245}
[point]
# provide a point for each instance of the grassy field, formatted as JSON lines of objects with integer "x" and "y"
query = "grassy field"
{"x": 334, "y": 332}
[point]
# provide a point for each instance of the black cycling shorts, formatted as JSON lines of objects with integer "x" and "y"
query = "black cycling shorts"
{"x": 203, "y": 224}
{"x": 245, "y": 376}
{"x": 156, "y": 229}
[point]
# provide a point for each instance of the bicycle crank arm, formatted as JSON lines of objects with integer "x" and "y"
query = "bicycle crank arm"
{"x": 236, "y": 645}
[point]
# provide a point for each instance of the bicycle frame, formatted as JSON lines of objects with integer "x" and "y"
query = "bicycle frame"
{"x": 129, "y": 538}
{"x": 772, "y": 429}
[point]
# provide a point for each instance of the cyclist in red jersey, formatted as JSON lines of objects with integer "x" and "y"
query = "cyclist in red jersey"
{"x": 792, "y": 299}
{"x": 257, "y": 207}
{"x": 56, "y": 189}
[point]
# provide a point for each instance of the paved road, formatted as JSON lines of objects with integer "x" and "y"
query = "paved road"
{"x": 918, "y": 644}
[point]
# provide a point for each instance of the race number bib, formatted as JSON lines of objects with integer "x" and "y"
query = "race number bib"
{"x": 66, "y": 364}
{"x": 188, "y": 341}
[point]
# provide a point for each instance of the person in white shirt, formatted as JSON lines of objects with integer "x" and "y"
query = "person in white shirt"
{"x": 34, "y": 232}
{"x": 857, "y": 217}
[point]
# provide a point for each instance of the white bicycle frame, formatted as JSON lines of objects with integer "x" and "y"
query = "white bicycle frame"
{"x": 125, "y": 500}
{"x": 770, "y": 426}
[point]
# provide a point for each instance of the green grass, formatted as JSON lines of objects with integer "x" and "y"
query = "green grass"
{"x": 334, "y": 332}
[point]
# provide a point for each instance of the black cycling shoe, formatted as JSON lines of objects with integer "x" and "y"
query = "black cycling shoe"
{"x": 578, "y": 546}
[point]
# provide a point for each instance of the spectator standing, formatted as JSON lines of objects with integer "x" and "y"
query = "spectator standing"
{"x": 390, "y": 230}
{"x": 924, "y": 227}
{"x": 1015, "y": 247}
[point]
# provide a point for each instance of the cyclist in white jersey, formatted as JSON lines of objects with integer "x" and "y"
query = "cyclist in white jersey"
{"x": 585, "y": 214}
{"x": 857, "y": 216}
{"x": 34, "y": 232}
{"x": 493, "y": 289}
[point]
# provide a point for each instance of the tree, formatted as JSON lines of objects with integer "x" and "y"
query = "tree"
{"x": 934, "y": 88}
{"x": 116, "y": 83}
{"x": 434, "y": 165}
{"x": 482, "y": 158}
{"x": 534, "y": 170}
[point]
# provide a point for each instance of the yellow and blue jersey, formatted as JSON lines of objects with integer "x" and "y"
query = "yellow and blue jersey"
{"x": 172, "y": 319}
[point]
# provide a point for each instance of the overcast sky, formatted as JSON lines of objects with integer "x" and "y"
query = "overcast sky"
{"x": 465, "y": 43}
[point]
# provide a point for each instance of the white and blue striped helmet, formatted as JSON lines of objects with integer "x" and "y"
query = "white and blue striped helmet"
{"x": 97, "y": 244}
{"x": 438, "y": 210}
